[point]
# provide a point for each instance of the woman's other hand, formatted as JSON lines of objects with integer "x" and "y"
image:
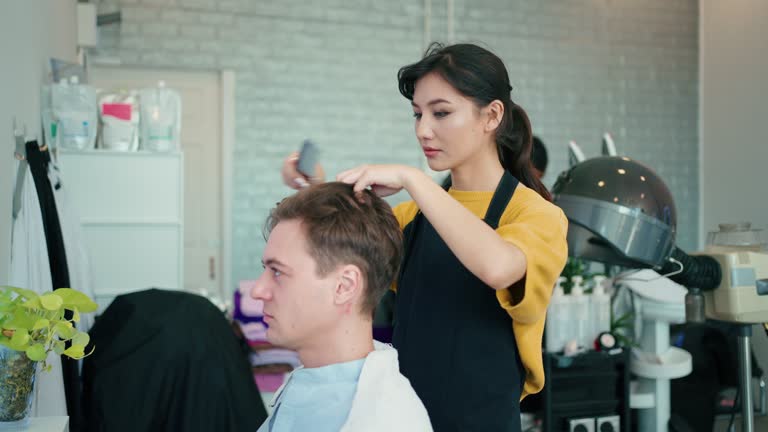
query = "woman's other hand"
{"x": 296, "y": 180}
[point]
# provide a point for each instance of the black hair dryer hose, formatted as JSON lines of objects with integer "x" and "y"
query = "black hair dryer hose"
{"x": 700, "y": 273}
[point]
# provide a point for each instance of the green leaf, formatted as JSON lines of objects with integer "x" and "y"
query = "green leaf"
{"x": 41, "y": 324}
{"x": 81, "y": 338}
{"x": 623, "y": 321}
{"x": 6, "y": 342}
{"x": 20, "y": 319}
{"x": 58, "y": 347}
{"x": 75, "y": 315}
{"x": 33, "y": 304}
{"x": 20, "y": 338}
{"x": 36, "y": 352}
{"x": 5, "y": 300}
{"x": 75, "y": 351}
{"x": 73, "y": 298}
{"x": 65, "y": 330}
{"x": 25, "y": 293}
{"x": 51, "y": 301}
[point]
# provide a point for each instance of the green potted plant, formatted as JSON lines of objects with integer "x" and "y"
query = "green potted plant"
{"x": 32, "y": 325}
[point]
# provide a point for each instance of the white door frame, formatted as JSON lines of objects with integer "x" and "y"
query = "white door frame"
{"x": 227, "y": 82}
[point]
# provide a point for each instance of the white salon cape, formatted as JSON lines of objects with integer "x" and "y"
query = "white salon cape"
{"x": 383, "y": 401}
{"x": 30, "y": 269}
{"x": 78, "y": 262}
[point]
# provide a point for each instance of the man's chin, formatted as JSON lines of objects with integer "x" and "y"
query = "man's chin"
{"x": 275, "y": 340}
{"x": 272, "y": 337}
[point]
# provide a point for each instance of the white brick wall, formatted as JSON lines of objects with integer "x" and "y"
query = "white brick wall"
{"x": 327, "y": 70}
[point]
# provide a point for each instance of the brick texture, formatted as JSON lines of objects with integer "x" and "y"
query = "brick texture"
{"x": 327, "y": 70}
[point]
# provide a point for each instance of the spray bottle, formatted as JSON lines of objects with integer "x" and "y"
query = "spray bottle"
{"x": 580, "y": 313}
{"x": 558, "y": 319}
{"x": 601, "y": 308}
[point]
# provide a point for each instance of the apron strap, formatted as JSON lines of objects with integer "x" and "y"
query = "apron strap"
{"x": 501, "y": 197}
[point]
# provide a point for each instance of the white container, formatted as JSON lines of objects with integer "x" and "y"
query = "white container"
{"x": 601, "y": 308}
{"x": 160, "y": 124}
{"x": 72, "y": 107}
{"x": 118, "y": 132}
{"x": 579, "y": 306}
{"x": 558, "y": 330}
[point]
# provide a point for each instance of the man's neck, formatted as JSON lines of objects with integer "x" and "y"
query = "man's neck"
{"x": 344, "y": 344}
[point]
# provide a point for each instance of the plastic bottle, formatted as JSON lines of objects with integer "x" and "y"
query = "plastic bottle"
{"x": 73, "y": 108}
{"x": 601, "y": 308}
{"x": 160, "y": 113}
{"x": 558, "y": 319}
{"x": 580, "y": 314}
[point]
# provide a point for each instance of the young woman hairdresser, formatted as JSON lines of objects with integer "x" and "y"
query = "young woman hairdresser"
{"x": 482, "y": 252}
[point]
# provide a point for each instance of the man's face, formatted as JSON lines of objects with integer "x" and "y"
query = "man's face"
{"x": 298, "y": 304}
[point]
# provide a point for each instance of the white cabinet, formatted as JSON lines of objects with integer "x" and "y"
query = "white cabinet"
{"x": 131, "y": 207}
{"x": 43, "y": 424}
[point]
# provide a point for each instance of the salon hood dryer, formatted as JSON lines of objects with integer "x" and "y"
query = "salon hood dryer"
{"x": 621, "y": 213}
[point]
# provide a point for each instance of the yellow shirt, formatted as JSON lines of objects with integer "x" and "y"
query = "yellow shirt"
{"x": 538, "y": 228}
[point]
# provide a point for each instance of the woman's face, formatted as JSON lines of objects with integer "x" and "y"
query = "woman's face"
{"x": 450, "y": 127}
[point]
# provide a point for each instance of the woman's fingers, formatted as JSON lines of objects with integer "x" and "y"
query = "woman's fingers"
{"x": 300, "y": 182}
{"x": 358, "y": 177}
{"x": 291, "y": 176}
{"x": 384, "y": 180}
{"x": 384, "y": 191}
{"x": 319, "y": 176}
{"x": 350, "y": 176}
{"x": 295, "y": 179}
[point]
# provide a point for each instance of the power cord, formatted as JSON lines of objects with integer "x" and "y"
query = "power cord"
{"x": 735, "y": 408}
{"x": 626, "y": 276}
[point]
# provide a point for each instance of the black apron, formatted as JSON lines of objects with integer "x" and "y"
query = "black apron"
{"x": 455, "y": 342}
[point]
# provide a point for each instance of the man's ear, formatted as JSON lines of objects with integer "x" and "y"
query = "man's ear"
{"x": 349, "y": 285}
{"x": 495, "y": 112}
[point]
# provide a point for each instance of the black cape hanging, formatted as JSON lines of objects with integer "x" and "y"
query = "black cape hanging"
{"x": 168, "y": 361}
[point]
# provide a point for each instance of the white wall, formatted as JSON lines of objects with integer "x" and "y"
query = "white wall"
{"x": 31, "y": 31}
{"x": 327, "y": 70}
{"x": 734, "y": 118}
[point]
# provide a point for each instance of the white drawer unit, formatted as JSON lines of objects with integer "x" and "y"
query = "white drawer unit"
{"x": 131, "y": 207}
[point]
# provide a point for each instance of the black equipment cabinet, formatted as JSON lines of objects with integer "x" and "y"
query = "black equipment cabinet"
{"x": 591, "y": 388}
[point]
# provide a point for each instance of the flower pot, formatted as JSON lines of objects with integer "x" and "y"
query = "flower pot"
{"x": 18, "y": 373}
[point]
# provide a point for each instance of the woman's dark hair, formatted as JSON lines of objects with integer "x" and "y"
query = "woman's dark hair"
{"x": 481, "y": 76}
{"x": 539, "y": 157}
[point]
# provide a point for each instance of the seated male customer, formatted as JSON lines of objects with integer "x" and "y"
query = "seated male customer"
{"x": 330, "y": 256}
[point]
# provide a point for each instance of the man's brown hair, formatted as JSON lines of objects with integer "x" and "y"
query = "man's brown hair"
{"x": 344, "y": 228}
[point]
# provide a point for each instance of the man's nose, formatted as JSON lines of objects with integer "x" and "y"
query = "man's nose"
{"x": 260, "y": 290}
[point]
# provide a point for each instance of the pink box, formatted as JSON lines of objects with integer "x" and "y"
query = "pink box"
{"x": 121, "y": 111}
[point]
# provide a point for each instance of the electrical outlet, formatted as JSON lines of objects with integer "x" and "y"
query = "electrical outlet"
{"x": 608, "y": 424}
{"x": 581, "y": 425}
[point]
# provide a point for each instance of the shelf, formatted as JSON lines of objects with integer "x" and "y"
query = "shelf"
{"x": 126, "y": 222}
{"x": 102, "y": 152}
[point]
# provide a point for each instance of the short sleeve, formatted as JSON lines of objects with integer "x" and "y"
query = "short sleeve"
{"x": 540, "y": 233}
{"x": 405, "y": 212}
